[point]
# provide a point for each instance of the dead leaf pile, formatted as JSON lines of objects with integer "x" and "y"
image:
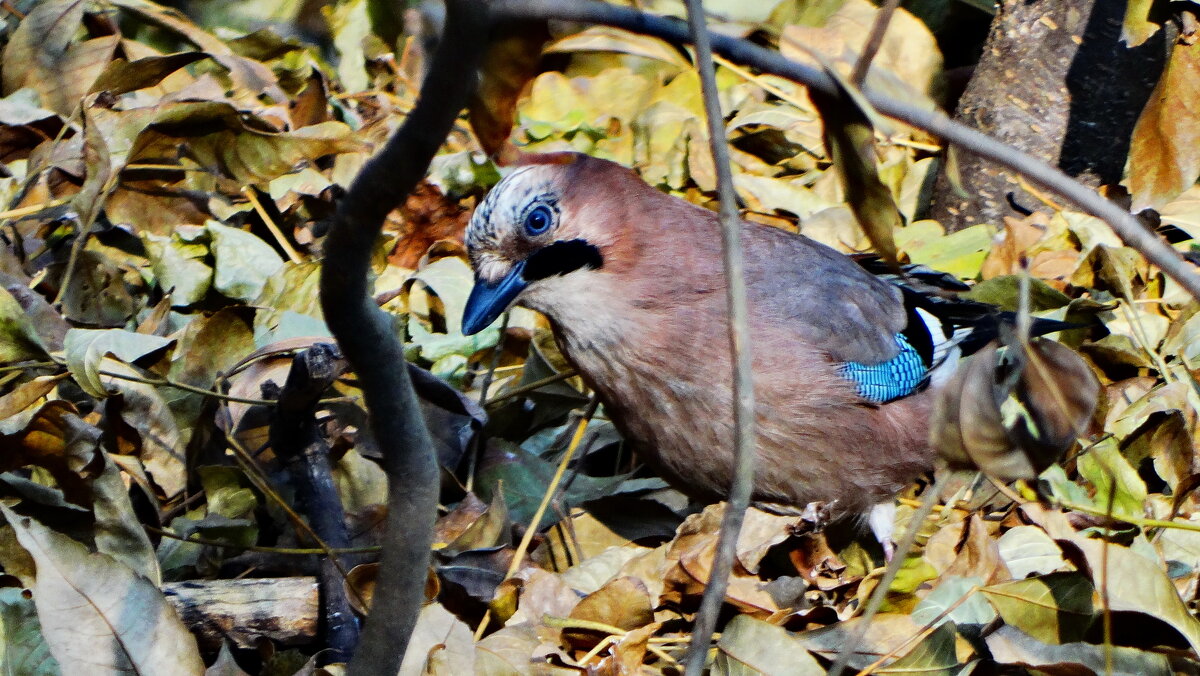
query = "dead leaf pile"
{"x": 163, "y": 186}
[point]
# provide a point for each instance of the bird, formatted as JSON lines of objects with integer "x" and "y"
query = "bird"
{"x": 631, "y": 279}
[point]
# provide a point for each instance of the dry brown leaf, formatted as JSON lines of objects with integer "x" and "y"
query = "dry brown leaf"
{"x": 977, "y": 554}
{"x": 623, "y": 603}
{"x": 429, "y": 216}
{"x": 98, "y": 616}
{"x": 508, "y": 66}
{"x": 40, "y": 52}
{"x": 1056, "y": 390}
{"x": 1008, "y": 250}
{"x": 1164, "y": 153}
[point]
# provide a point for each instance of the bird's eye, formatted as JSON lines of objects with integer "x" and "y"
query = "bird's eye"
{"x": 538, "y": 220}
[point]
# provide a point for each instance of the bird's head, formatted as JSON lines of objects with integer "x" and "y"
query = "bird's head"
{"x": 533, "y": 228}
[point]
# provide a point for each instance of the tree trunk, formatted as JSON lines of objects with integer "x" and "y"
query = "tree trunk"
{"x": 1055, "y": 81}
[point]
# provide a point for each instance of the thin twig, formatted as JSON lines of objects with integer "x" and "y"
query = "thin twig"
{"x": 1128, "y": 228}
{"x": 21, "y": 212}
{"x": 255, "y": 475}
{"x": 293, "y": 255}
{"x": 530, "y": 387}
{"x": 889, "y": 576}
{"x": 883, "y": 17}
{"x": 8, "y": 7}
{"x": 926, "y": 630}
{"x": 742, "y": 482}
{"x": 21, "y": 366}
{"x": 1106, "y": 606}
{"x": 288, "y": 551}
{"x": 794, "y": 100}
{"x": 551, "y": 489}
{"x": 163, "y": 382}
{"x": 1138, "y": 521}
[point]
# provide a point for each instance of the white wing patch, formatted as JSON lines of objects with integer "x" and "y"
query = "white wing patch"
{"x": 946, "y": 352}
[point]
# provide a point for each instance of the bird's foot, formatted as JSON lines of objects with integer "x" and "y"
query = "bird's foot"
{"x": 882, "y": 519}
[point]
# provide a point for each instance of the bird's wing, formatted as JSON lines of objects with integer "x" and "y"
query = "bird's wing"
{"x": 823, "y": 297}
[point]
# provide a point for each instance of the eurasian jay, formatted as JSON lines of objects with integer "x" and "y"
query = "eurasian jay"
{"x": 631, "y": 279}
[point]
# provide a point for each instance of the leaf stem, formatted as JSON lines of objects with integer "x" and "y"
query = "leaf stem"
{"x": 288, "y": 551}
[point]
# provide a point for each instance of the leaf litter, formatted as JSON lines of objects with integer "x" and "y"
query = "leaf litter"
{"x": 201, "y": 166}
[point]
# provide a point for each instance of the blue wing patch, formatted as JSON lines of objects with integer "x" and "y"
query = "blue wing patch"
{"x": 897, "y": 377}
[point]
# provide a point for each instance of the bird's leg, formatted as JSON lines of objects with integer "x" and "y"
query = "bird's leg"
{"x": 882, "y": 520}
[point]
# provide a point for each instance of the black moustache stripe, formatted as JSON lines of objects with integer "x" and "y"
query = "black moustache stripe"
{"x": 562, "y": 257}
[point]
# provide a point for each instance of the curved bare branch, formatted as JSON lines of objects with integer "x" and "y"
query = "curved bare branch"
{"x": 368, "y": 339}
{"x": 1128, "y": 228}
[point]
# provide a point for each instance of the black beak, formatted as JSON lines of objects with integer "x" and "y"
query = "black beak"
{"x": 489, "y": 300}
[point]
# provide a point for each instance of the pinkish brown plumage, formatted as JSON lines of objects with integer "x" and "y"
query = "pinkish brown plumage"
{"x": 632, "y": 282}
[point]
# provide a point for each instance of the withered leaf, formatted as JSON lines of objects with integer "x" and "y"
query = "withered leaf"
{"x": 508, "y": 66}
{"x": 1055, "y": 390}
{"x": 623, "y": 603}
{"x": 1164, "y": 153}
{"x": 38, "y": 53}
{"x": 98, "y": 616}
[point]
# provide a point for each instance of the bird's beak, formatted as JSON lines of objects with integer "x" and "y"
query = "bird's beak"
{"x": 489, "y": 299}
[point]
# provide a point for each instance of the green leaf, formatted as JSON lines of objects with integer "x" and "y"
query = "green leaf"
{"x": 251, "y": 156}
{"x": 1135, "y": 583}
{"x": 1027, "y": 550}
{"x": 1009, "y": 646}
{"x": 350, "y": 25}
{"x": 144, "y": 409}
{"x": 606, "y": 39}
{"x": 767, "y": 193}
{"x": 1056, "y": 607}
{"x": 555, "y": 105}
{"x": 231, "y": 142}
{"x": 1005, "y": 292}
{"x": 1062, "y": 488}
{"x": 18, "y": 339}
{"x": 121, "y": 76}
{"x": 179, "y": 268}
{"x": 23, "y": 649}
{"x": 915, "y": 572}
{"x": 936, "y": 655}
{"x": 450, "y": 280}
{"x": 887, "y": 634}
{"x": 1105, "y": 468}
{"x": 118, "y": 532}
{"x": 960, "y": 253}
{"x": 525, "y": 478}
{"x": 249, "y": 76}
{"x": 227, "y": 492}
{"x": 1137, "y": 26}
{"x": 950, "y": 591}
